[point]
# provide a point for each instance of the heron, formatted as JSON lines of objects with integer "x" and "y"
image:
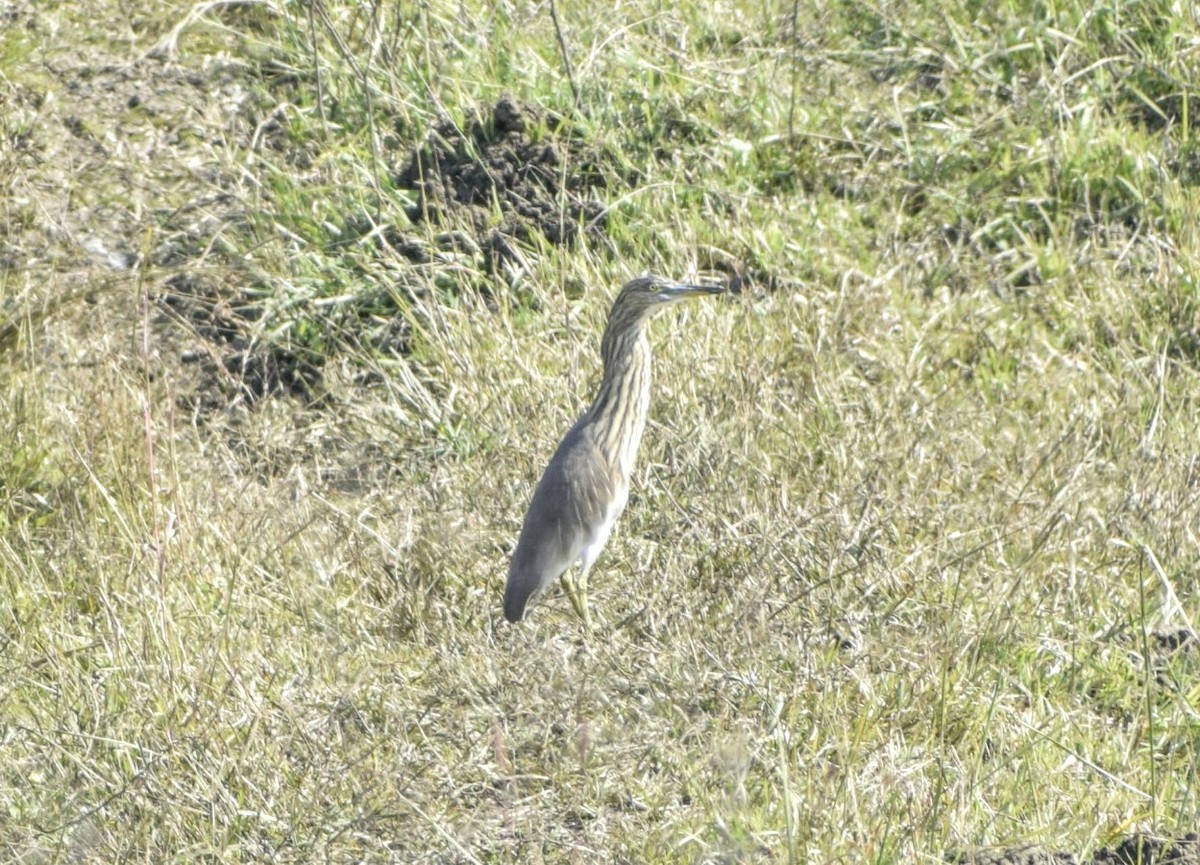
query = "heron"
{"x": 584, "y": 488}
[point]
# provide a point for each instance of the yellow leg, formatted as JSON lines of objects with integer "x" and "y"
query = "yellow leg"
{"x": 576, "y": 591}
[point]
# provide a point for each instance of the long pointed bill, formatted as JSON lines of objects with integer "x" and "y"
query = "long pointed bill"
{"x": 680, "y": 290}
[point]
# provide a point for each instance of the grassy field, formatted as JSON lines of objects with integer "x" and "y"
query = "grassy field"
{"x": 911, "y": 562}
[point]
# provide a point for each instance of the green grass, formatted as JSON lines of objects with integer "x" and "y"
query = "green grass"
{"x": 904, "y": 527}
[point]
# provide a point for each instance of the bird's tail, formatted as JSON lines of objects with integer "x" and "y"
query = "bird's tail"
{"x": 516, "y": 596}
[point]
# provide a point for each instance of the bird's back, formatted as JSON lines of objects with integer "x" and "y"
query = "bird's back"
{"x": 573, "y": 509}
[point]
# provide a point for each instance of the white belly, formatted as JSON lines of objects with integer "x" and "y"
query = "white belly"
{"x": 595, "y": 545}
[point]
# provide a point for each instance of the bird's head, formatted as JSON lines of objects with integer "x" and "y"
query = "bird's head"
{"x": 646, "y": 293}
{"x": 637, "y": 301}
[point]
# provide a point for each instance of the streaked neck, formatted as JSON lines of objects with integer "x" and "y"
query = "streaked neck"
{"x": 618, "y": 413}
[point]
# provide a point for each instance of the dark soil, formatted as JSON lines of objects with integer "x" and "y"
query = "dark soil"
{"x": 1167, "y": 654}
{"x": 1180, "y": 642}
{"x": 519, "y": 158}
{"x": 1023, "y": 854}
{"x": 234, "y": 366}
{"x": 543, "y": 177}
{"x": 1136, "y": 849}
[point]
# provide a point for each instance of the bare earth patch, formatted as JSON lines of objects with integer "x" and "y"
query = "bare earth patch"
{"x": 519, "y": 158}
{"x": 1136, "y": 849}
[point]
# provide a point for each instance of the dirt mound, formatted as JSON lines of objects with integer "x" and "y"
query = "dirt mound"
{"x": 1169, "y": 656}
{"x": 1136, "y": 849}
{"x": 232, "y": 365}
{"x": 524, "y": 160}
{"x": 1024, "y": 854}
{"x": 1148, "y": 850}
{"x": 1179, "y": 642}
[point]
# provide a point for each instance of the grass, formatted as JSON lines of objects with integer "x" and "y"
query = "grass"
{"x": 909, "y": 525}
